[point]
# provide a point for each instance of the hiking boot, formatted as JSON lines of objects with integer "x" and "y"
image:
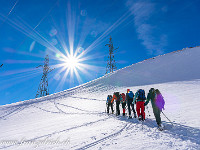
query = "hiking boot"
{"x": 135, "y": 115}
{"x": 123, "y": 114}
{"x": 161, "y": 125}
{"x": 140, "y": 118}
{"x": 130, "y": 117}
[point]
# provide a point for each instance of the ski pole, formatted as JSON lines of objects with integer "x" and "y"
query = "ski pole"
{"x": 106, "y": 107}
{"x": 114, "y": 107}
{"x": 148, "y": 111}
{"x": 167, "y": 118}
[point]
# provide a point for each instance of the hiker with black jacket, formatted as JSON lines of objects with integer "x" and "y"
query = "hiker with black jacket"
{"x": 116, "y": 97}
{"x": 157, "y": 103}
{"x": 129, "y": 101}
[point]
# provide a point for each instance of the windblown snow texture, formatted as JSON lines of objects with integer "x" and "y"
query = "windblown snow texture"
{"x": 76, "y": 118}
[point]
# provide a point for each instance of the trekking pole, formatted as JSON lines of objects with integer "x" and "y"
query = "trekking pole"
{"x": 148, "y": 111}
{"x": 168, "y": 118}
{"x": 114, "y": 107}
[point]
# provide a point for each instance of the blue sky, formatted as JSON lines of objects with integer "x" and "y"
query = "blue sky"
{"x": 31, "y": 29}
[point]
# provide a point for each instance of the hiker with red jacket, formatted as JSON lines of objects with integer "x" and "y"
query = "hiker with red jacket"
{"x": 157, "y": 102}
{"x": 129, "y": 101}
{"x": 123, "y": 102}
{"x": 116, "y": 97}
{"x": 140, "y": 100}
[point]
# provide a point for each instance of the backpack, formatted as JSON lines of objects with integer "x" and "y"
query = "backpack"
{"x": 159, "y": 100}
{"x": 122, "y": 98}
{"x": 118, "y": 96}
{"x": 109, "y": 98}
{"x": 141, "y": 95}
{"x": 130, "y": 95}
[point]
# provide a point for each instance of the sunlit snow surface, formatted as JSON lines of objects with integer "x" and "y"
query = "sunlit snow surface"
{"x": 77, "y": 116}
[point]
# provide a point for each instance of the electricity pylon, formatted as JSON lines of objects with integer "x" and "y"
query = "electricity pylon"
{"x": 111, "y": 65}
{"x": 43, "y": 89}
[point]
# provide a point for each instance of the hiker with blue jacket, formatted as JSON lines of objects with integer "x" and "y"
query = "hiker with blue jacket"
{"x": 140, "y": 100}
{"x": 130, "y": 104}
{"x": 157, "y": 102}
{"x": 109, "y": 104}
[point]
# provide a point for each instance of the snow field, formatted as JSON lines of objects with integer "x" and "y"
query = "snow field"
{"x": 77, "y": 116}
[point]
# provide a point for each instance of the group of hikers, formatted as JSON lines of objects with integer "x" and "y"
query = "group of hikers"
{"x": 139, "y": 98}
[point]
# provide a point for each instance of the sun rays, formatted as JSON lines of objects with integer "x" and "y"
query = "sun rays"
{"x": 71, "y": 59}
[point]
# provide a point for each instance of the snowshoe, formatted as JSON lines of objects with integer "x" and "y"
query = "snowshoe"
{"x": 117, "y": 114}
{"x": 160, "y": 127}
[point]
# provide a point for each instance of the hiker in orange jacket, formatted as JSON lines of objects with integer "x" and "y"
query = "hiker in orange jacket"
{"x": 116, "y": 97}
{"x": 113, "y": 98}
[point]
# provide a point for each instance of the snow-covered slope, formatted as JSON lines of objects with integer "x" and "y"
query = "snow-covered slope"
{"x": 76, "y": 118}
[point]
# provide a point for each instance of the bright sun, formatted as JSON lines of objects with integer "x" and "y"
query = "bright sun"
{"x": 72, "y": 62}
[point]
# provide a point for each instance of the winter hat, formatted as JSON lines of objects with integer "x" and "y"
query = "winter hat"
{"x": 151, "y": 90}
{"x": 128, "y": 90}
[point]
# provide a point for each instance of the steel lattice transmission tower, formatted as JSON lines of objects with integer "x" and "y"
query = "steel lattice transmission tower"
{"x": 43, "y": 89}
{"x": 111, "y": 65}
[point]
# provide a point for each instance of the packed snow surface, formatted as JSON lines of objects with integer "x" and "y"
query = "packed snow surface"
{"x": 76, "y": 118}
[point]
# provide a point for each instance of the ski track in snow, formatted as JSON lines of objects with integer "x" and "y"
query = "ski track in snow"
{"x": 65, "y": 130}
{"x": 103, "y": 139}
{"x": 13, "y": 112}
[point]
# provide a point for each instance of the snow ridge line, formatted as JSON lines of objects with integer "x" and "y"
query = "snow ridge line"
{"x": 87, "y": 84}
{"x": 9, "y": 113}
{"x": 13, "y": 112}
{"x": 64, "y": 94}
{"x": 109, "y": 74}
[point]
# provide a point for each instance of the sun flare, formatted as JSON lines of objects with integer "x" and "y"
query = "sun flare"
{"x": 72, "y": 62}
